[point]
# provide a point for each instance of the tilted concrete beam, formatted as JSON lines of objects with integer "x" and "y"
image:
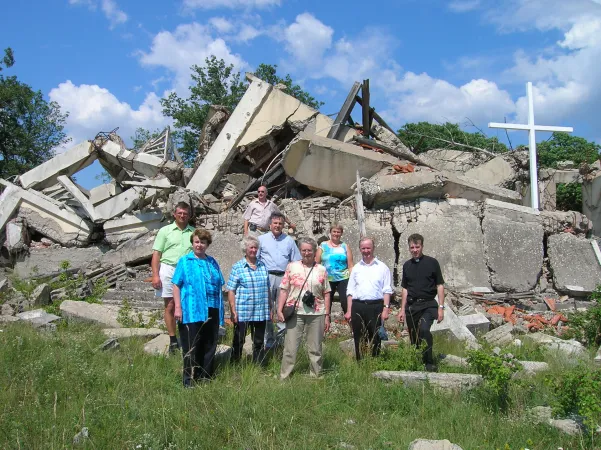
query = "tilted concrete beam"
{"x": 44, "y": 216}
{"x": 67, "y": 163}
{"x": 222, "y": 152}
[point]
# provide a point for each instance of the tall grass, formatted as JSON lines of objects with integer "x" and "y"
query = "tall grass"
{"x": 54, "y": 384}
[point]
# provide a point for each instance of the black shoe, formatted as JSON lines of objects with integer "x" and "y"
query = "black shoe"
{"x": 173, "y": 348}
{"x": 431, "y": 368}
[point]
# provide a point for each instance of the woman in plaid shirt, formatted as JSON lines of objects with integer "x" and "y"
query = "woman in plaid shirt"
{"x": 248, "y": 295}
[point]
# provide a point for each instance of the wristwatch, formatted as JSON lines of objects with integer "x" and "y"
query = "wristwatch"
{"x": 387, "y": 306}
{"x": 443, "y": 307}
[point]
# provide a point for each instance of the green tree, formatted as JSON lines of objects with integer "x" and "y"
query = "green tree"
{"x": 423, "y": 136}
{"x": 30, "y": 127}
{"x": 142, "y": 135}
{"x": 215, "y": 84}
{"x": 565, "y": 147}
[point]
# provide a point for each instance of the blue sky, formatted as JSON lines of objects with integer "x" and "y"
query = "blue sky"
{"x": 108, "y": 62}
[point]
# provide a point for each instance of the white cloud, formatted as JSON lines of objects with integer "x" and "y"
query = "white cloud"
{"x": 221, "y": 24}
{"x": 461, "y": 6}
{"x": 113, "y": 13}
{"x": 421, "y": 97}
{"x": 189, "y": 44}
{"x": 583, "y": 34}
{"x": 111, "y": 10}
{"x": 231, "y": 4}
{"x": 93, "y": 109}
{"x": 307, "y": 39}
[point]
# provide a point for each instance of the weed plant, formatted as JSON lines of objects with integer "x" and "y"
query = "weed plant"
{"x": 54, "y": 384}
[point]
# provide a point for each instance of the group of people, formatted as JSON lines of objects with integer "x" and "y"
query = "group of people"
{"x": 276, "y": 279}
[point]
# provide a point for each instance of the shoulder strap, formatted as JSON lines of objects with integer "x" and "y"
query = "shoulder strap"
{"x": 303, "y": 286}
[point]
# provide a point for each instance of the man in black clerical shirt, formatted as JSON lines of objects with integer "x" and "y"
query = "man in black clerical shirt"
{"x": 422, "y": 282}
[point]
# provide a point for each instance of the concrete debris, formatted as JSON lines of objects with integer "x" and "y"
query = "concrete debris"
{"x": 124, "y": 333}
{"x": 105, "y": 316}
{"x": 427, "y": 444}
{"x": 109, "y": 344}
{"x": 445, "y": 381}
{"x": 552, "y": 343}
{"x": 471, "y": 207}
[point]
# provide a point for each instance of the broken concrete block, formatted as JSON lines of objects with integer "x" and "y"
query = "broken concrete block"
{"x": 500, "y": 336}
{"x": 451, "y": 381}
{"x": 451, "y": 235}
{"x": 124, "y": 333}
{"x": 454, "y": 161}
{"x": 130, "y": 252}
{"x": 41, "y": 261}
{"x": 217, "y": 160}
{"x": 277, "y": 109}
{"x": 79, "y": 196}
{"x": 477, "y": 323}
{"x": 463, "y": 187}
{"x": 8, "y": 319}
{"x": 568, "y": 426}
{"x": 131, "y": 226}
{"x": 17, "y": 237}
{"x": 103, "y": 192}
{"x": 158, "y": 346}
{"x": 145, "y": 164}
{"x": 513, "y": 242}
{"x": 41, "y": 295}
{"x": 105, "y": 316}
{"x": 567, "y": 347}
{"x": 591, "y": 193}
{"x": 575, "y": 268}
{"x": 497, "y": 171}
{"x": 109, "y": 344}
{"x": 427, "y": 444}
{"x": 392, "y": 188}
{"x": 126, "y": 201}
{"x": 66, "y": 163}
{"x": 312, "y": 160}
{"x": 454, "y": 361}
{"x": 45, "y": 216}
{"x": 452, "y": 324}
{"x": 38, "y": 317}
{"x": 533, "y": 367}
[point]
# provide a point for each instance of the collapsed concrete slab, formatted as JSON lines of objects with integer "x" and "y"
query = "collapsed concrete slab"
{"x": 47, "y": 217}
{"x": 453, "y": 160}
{"x": 112, "y": 156}
{"x": 497, "y": 172}
{"x": 66, "y": 163}
{"x": 105, "y": 316}
{"x": 48, "y": 260}
{"x": 566, "y": 347}
{"x": 591, "y": 202}
{"x": 131, "y": 252}
{"x": 329, "y": 165}
{"x": 223, "y": 150}
{"x": 574, "y": 264}
{"x": 513, "y": 242}
{"x": 126, "y": 201}
{"x": 131, "y": 226}
{"x": 103, "y": 192}
{"x": 448, "y": 381}
{"x": 391, "y": 188}
{"x": 452, "y": 235}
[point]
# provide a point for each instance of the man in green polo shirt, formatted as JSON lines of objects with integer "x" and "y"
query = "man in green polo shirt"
{"x": 172, "y": 242}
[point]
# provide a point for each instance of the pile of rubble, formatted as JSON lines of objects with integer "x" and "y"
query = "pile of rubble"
{"x": 469, "y": 205}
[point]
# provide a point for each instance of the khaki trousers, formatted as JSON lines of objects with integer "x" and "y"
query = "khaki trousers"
{"x": 312, "y": 327}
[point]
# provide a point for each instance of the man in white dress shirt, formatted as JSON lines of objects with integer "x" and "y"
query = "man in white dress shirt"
{"x": 368, "y": 294}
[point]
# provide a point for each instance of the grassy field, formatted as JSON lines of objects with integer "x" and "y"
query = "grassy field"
{"x": 54, "y": 384}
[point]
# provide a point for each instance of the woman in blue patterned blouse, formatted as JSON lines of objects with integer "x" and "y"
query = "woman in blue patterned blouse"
{"x": 248, "y": 295}
{"x": 197, "y": 294}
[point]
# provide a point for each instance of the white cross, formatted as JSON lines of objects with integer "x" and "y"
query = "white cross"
{"x": 531, "y": 128}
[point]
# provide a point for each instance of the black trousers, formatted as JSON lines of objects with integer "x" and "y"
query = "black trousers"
{"x": 340, "y": 287}
{"x": 419, "y": 323}
{"x": 199, "y": 344}
{"x": 257, "y": 332}
{"x": 365, "y": 321}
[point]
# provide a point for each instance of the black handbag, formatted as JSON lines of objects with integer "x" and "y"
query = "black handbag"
{"x": 289, "y": 310}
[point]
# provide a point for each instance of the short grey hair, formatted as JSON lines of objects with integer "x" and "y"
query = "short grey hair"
{"x": 308, "y": 240}
{"x": 367, "y": 238}
{"x": 247, "y": 241}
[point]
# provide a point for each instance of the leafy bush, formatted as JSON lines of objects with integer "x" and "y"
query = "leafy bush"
{"x": 578, "y": 391}
{"x": 497, "y": 371}
{"x": 405, "y": 357}
{"x": 569, "y": 197}
{"x": 585, "y": 326}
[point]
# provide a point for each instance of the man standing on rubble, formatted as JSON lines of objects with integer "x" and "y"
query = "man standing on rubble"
{"x": 368, "y": 293}
{"x": 422, "y": 282}
{"x": 258, "y": 213}
{"x": 276, "y": 251}
{"x": 172, "y": 242}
